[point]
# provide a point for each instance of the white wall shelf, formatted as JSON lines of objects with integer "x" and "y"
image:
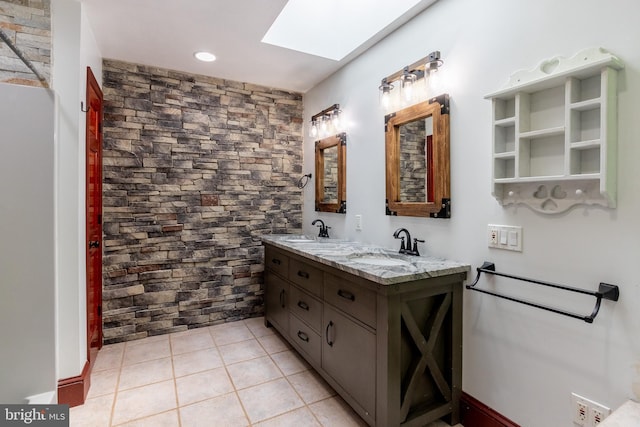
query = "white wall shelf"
{"x": 554, "y": 134}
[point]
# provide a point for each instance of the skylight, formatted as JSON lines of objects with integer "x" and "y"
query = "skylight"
{"x": 333, "y": 28}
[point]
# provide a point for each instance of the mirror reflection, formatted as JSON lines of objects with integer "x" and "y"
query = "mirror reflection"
{"x": 415, "y": 145}
{"x": 330, "y": 174}
{"x": 417, "y": 160}
{"x": 331, "y": 163}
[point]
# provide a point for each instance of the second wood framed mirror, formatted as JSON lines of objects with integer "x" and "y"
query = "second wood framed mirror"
{"x": 417, "y": 160}
{"x": 331, "y": 165}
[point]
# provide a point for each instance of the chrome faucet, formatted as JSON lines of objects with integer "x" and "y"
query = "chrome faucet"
{"x": 324, "y": 230}
{"x": 408, "y": 250}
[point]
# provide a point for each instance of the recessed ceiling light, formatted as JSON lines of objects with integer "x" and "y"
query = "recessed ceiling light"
{"x": 205, "y": 56}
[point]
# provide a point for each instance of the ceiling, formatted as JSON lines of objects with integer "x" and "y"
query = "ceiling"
{"x": 166, "y": 33}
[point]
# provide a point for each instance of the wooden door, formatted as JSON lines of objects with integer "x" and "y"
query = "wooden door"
{"x": 94, "y": 216}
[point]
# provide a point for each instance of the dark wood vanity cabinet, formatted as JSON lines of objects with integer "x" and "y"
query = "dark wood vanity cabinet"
{"x": 393, "y": 352}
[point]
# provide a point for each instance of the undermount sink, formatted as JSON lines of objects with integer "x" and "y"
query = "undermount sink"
{"x": 381, "y": 261}
{"x": 300, "y": 240}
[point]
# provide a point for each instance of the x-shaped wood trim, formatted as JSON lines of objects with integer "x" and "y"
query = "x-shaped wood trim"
{"x": 426, "y": 349}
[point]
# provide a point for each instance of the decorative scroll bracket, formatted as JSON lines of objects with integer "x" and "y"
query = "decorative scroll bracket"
{"x": 605, "y": 291}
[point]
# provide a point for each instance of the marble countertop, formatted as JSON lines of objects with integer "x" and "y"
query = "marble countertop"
{"x": 625, "y": 416}
{"x": 375, "y": 263}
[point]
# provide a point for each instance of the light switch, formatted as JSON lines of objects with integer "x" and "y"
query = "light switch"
{"x": 507, "y": 237}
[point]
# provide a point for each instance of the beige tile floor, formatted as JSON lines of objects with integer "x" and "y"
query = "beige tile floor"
{"x": 231, "y": 375}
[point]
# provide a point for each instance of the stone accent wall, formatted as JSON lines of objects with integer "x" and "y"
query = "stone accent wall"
{"x": 195, "y": 170}
{"x": 27, "y": 23}
{"x": 413, "y": 162}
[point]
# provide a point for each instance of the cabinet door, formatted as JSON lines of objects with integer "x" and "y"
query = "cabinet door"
{"x": 349, "y": 356}
{"x": 276, "y": 301}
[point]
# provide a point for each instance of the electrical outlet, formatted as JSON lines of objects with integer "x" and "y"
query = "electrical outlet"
{"x": 598, "y": 413}
{"x": 493, "y": 235}
{"x": 507, "y": 237}
{"x": 596, "y": 416}
{"x": 582, "y": 414}
{"x": 586, "y": 412}
{"x": 580, "y": 409}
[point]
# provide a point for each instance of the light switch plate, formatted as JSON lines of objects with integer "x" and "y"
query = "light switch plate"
{"x": 508, "y": 237}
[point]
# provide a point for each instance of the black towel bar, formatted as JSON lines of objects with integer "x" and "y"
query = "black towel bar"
{"x": 605, "y": 291}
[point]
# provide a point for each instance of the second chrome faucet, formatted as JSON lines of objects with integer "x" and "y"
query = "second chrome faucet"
{"x": 407, "y": 249}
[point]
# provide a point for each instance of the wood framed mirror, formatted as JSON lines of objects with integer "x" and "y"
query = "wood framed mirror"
{"x": 331, "y": 173}
{"x": 417, "y": 160}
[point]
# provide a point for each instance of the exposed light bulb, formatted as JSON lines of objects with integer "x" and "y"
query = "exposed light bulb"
{"x": 335, "y": 120}
{"x": 385, "y": 93}
{"x": 385, "y": 99}
{"x": 407, "y": 90}
{"x": 313, "y": 132}
{"x": 407, "y": 83}
{"x": 324, "y": 127}
{"x": 434, "y": 79}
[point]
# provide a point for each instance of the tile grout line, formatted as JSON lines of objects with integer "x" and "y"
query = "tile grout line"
{"x": 175, "y": 384}
{"x": 115, "y": 392}
{"x": 224, "y": 365}
{"x": 306, "y": 405}
{"x": 286, "y": 377}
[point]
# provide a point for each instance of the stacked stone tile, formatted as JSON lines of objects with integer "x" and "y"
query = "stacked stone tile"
{"x": 195, "y": 170}
{"x": 27, "y": 23}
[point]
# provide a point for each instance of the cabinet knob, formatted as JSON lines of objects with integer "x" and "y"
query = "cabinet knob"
{"x": 304, "y": 337}
{"x": 303, "y": 305}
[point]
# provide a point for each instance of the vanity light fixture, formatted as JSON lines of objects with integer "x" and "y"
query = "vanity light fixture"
{"x": 433, "y": 62}
{"x": 385, "y": 93}
{"x": 205, "y": 56}
{"x": 431, "y": 67}
{"x": 326, "y": 123}
{"x": 313, "y": 130}
{"x": 426, "y": 67}
{"x": 407, "y": 82}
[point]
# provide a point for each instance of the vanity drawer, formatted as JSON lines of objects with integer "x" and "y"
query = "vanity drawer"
{"x": 351, "y": 298}
{"x": 306, "y": 307}
{"x": 305, "y": 339}
{"x": 276, "y": 261}
{"x": 306, "y": 276}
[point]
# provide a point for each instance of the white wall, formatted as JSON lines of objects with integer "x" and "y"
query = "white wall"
{"x": 27, "y": 309}
{"x": 521, "y": 361}
{"x": 74, "y": 48}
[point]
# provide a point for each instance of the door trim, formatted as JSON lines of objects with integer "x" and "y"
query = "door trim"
{"x": 73, "y": 390}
